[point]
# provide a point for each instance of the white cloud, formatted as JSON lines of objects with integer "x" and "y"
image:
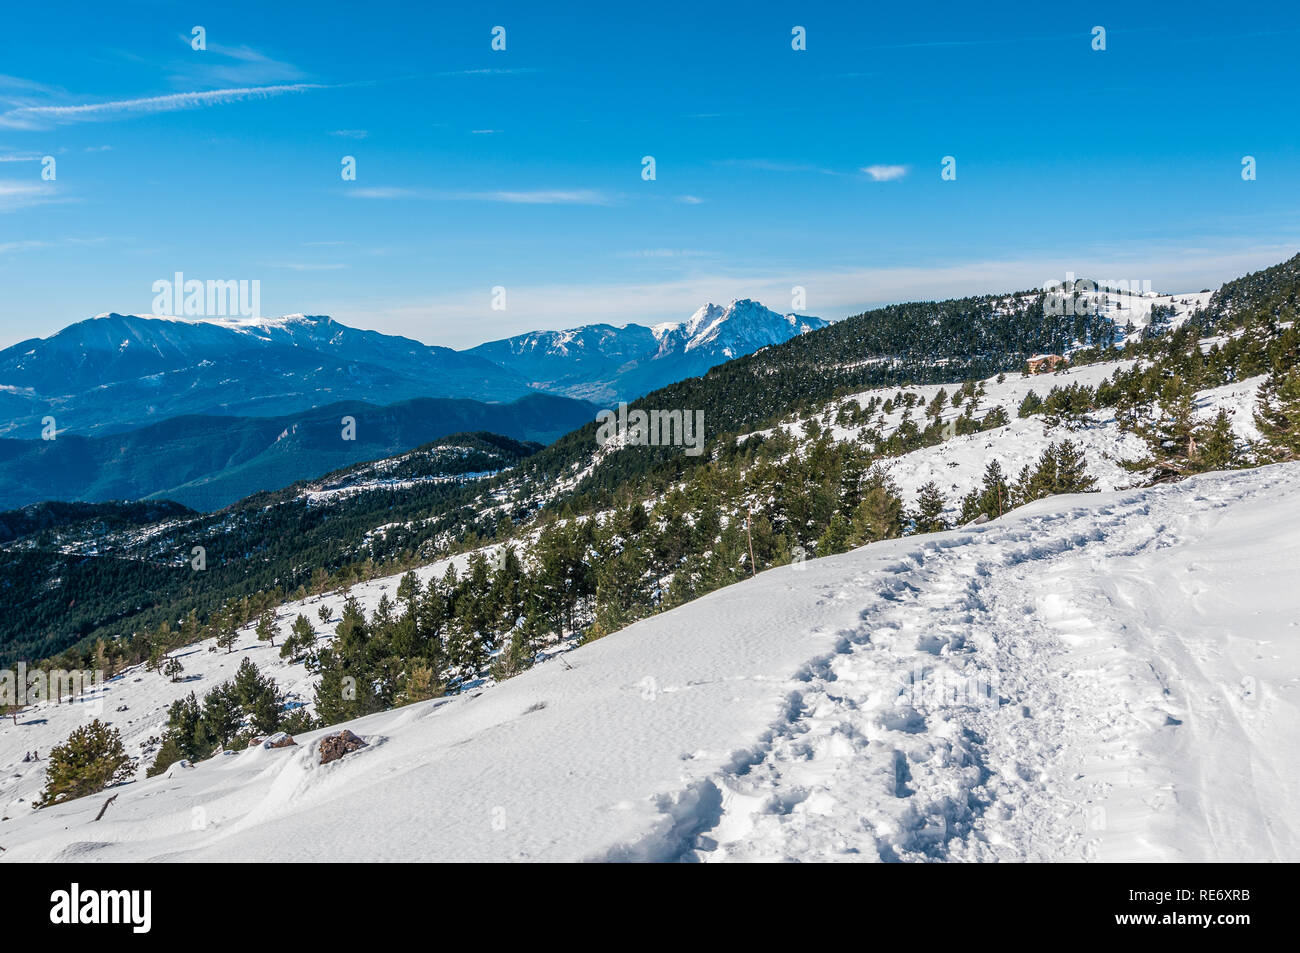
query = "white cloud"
{"x": 7, "y": 247}
{"x": 15, "y": 195}
{"x": 350, "y": 133}
{"x": 36, "y": 117}
{"x": 690, "y": 199}
{"x": 885, "y": 173}
{"x": 232, "y": 66}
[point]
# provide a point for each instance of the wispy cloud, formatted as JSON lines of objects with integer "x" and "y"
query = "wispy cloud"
{"x": 690, "y": 199}
{"x": 533, "y": 197}
{"x": 16, "y": 195}
{"x": 232, "y": 66}
{"x": 38, "y": 117}
{"x": 885, "y": 173}
{"x": 350, "y": 133}
{"x": 7, "y": 247}
{"x": 17, "y": 91}
{"x": 29, "y": 244}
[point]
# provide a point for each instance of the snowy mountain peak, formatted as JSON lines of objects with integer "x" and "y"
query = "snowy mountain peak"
{"x": 603, "y": 362}
{"x": 742, "y": 327}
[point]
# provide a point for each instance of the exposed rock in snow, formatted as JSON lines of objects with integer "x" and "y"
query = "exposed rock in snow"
{"x": 336, "y": 745}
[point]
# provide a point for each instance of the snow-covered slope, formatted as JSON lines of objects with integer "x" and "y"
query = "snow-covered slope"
{"x": 1109, "y": 676}
{"x": 956, "y": 465}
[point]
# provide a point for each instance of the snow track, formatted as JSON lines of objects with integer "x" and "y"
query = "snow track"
{"x": 999, "y": 702}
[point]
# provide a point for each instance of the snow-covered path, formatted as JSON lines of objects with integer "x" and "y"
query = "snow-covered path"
{"x": 1111, "y": 677}
{"x": 1079, "y": 684}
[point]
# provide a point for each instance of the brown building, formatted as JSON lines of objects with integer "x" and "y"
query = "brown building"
{"x": 1045, "y": 363}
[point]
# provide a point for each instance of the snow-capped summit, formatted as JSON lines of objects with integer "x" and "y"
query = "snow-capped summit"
{"x": 742, "y": 327}
{"x": 603, "y": 362}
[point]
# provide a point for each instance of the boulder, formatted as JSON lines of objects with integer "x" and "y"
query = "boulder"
{"x": 281, "y": 740}
{"x": 332, "y": 747}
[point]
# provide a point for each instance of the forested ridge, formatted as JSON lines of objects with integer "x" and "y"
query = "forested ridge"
{"x": 670, "y": 527}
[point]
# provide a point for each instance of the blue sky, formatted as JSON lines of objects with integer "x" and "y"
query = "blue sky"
{"x": 522, "y": 168}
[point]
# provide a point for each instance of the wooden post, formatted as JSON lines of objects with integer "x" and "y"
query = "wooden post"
{"x": 753, "y": 569}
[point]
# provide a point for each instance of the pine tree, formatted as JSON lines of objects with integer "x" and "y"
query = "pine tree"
{"x": 930, "y": 504}
{"x": 258, "y": 697}
{"x": 227, "y": 632}
{"x": 173, "y": 669}
{"x": 301, "y": 640}
{"x": 837, "y": 538}
{"x": 1219, "y": 444}
{"x": 880, "y": 515}
{"x": 1071, "y": 469}
{"x": 1278, "y": 416}
{"x": 190, "y": 628}
{"x": 221, "y": 720}
{"x": 992, "y": 499}
{"x": 514, "y": 658}
{"x": 421, "y": 684}
{"x": 997, "y": 417}
{"x": 92, "y": 759}
{"x": 181, "y": 738}
{"x": 1024, "y": 489}
{"x": 852, "y": 471}
{"x": 1031, "y": 405}
{"x": 1173, "y": 437}
{"x": 935, "y": 407}
{"x": 266, "y": 627}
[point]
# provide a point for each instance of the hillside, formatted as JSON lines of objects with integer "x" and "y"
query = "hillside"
{"x": 1100, "y": 677}
{"x": 66, "y": 576}
{"x": 208, "y": 462}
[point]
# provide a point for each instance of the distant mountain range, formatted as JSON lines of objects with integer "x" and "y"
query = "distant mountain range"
{"x": 207, "y": 462}
{"x": 119, "y": 371}
{"x": 603, "y": 363}
{"x": 206, "y": 412}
